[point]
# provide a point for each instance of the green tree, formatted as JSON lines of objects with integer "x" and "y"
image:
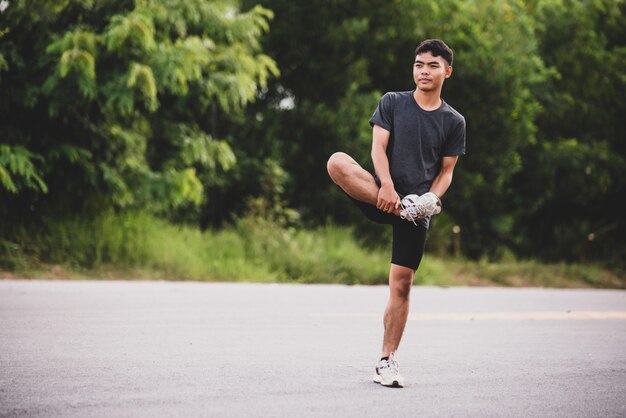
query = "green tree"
{"x": 575, "y": 172}
{"x": 338, "y": 57}
{"x": 111, "y": 104}
{"x": 498, "y": 70}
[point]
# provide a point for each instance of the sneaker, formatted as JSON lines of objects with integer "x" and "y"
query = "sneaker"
{"x": 409, "y": 208}
{"x": 388, "y": 373}
{"x": 415, "y": 207}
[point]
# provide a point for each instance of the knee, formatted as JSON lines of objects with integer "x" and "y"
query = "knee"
{"x": 336, "y": 164}
{"x": 400, "y": 285}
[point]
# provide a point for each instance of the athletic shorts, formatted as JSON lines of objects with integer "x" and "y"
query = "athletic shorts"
{"x": 408, "y": 240}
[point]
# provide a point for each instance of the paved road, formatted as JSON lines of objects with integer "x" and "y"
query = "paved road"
{"x": 152, "y": 349}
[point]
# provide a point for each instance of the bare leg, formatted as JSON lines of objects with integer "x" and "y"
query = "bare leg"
{"x": 353, "y": 179}
{"x": 360, "y": 185}
{"x": 396, "y": 314}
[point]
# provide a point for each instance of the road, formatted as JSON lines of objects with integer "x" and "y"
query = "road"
{"x": 189, "y": 349}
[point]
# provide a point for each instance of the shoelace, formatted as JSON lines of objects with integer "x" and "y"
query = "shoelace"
{"x": 390, "y": 364}
{"x": 409, "y": 212}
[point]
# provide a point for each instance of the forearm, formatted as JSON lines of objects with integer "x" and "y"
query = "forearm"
{"x": 381, "y": 164}
{"x": 441, "y": 183}
{"x": 444, "y": 178}
{"x": 388, "y": 199}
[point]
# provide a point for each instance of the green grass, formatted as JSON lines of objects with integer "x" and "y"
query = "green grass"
{"x": 534, "y": 274}
{"x": 139, "y": 246}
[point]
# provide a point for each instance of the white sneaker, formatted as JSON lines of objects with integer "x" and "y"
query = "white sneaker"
{"x": 388, "y": 373}
{"x": 415, "y": 207}
{"x": 409, "y": 208}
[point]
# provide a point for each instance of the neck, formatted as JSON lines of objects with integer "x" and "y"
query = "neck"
{"x": 427, "y": 100}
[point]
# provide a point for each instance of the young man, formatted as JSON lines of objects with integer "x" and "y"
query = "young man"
{"x": 417, "y": 139}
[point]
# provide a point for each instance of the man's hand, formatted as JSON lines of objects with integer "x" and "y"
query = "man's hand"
{"x": 388, "y": 199}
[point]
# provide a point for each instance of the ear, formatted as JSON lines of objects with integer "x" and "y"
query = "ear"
{"x": 448, "y": 71}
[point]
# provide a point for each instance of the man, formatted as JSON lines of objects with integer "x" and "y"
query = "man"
{"x": 417, "y": 139}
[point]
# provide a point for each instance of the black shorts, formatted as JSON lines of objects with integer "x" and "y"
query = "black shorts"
{"x": 408, "y": 241}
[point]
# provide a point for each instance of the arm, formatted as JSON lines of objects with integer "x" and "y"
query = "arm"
{"x": 444, "y": 178}
{"x": 429, "y": 203}
{"x": 388, "y": 199}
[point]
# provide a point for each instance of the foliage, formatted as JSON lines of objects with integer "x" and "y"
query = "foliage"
{"x": 256, "y": 250}
{"x": 544, "y": 157}
{"x": 132, "y": 242}
{"x": 122, "y": 94}
{"x": 18, "y": 170}
{"x": 175, "y": 107}
{"x": 363, "y": 55}
{"x": 575, "y": 172}
{"x": 136, "y": 245}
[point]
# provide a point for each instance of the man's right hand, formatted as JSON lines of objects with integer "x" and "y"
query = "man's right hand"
{"x": 388, "y": 199}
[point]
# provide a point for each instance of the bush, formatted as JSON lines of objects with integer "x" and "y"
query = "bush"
{"x": 137, "y": 245}
{"x": 253, "y": 250}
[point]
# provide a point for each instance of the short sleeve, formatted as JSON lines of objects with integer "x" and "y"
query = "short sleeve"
{"x": 383, "y": 115}
{"x": 455, "y": 142}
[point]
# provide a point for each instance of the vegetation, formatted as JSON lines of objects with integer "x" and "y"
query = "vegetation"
{"x": 539, "y": 83}
{"x": 139, "y": 246}
{"x": 203, "y": 127}
{"x": 123, "y": 96}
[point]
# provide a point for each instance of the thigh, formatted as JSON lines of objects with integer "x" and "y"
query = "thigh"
{"x": 353, "y": 179}
{"x": 370, "y": 211}
{"x": 408, "y": 243}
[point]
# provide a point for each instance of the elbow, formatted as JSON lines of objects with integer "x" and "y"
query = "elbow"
{"x": 377, "y": 150}
{"x": 446, "y": 175}
{"x": 446, "y": 171}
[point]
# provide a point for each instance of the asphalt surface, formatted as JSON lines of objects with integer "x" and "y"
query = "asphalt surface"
{"x": 154, "y": 349}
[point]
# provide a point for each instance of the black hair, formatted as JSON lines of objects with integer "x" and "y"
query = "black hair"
{"x": 437, "y": 47}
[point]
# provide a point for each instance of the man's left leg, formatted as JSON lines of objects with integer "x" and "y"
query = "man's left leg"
{"x": 397, "y": 311}
{"x": 400, "y": 280}
{"x": 407, "y": 250}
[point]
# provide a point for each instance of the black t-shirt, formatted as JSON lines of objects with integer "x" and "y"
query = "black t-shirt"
{"x": 419, "y": 139}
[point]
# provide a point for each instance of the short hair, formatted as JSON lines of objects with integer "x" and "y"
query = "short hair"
{"x": 437, "y": 47}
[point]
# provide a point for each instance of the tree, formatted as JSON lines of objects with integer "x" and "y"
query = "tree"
{"x": 338, "y": 57}
{"x": 575, "y": 170}
{"x": 111, "y": 104}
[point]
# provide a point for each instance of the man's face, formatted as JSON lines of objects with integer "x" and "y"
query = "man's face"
{"x": 429, "y": 71}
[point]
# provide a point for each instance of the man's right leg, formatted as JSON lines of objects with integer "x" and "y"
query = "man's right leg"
{"x": 353, "y": 179}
